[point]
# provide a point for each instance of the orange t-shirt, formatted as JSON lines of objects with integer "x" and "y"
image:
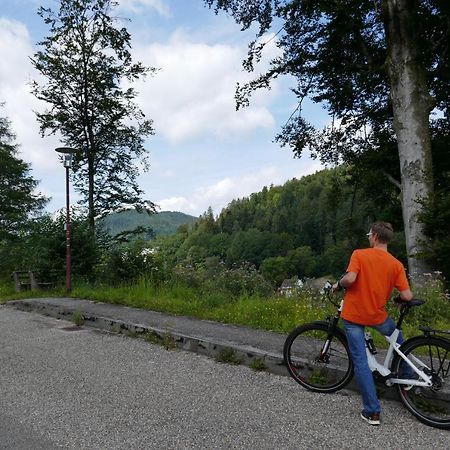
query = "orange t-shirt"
{"x": 378, "y": 272}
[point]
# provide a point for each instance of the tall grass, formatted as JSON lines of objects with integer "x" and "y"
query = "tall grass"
{"x": 274, "y": 313}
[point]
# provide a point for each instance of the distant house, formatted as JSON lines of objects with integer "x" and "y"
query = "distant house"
{"x": 290, "y": 287}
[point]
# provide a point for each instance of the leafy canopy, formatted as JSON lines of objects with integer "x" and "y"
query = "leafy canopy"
{"x": 18, "y": 199}
{"x": 89, "y": 72}
{"x": 336, "y": 51}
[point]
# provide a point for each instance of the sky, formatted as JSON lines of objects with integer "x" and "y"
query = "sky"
{"x": 204, "y": 153}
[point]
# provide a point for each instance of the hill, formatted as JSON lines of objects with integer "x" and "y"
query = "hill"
{"x": 163, "y": 223}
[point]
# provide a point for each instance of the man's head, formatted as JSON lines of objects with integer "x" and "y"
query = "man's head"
{"x": 381, "y": 232}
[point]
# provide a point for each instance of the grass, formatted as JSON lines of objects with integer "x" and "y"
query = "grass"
{"x": 258, "y": 364}
{"x": 277, "y": 313}
{"x": 8, "y": 292}
{"x": 77, "y": 318}
{"x": 228, "y": 356}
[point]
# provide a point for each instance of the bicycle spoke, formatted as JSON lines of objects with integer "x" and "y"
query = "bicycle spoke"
{"x": 316, "y": 360}
{"x": 431, "y": 404}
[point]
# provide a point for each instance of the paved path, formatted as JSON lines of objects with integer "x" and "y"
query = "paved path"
{"x": 200, "y": 336}
{"x": 86, "y": 389}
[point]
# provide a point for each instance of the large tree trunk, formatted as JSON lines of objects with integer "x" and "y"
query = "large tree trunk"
{"x": 411, "y": 104}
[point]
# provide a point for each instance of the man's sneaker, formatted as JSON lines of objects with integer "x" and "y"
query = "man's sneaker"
{"x": 371, "y": 418}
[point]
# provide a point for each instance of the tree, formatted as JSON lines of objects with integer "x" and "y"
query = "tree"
{"x": 87, "y": 65}
{"x": 18, "y": 199}
{"x": 379, "y": 67}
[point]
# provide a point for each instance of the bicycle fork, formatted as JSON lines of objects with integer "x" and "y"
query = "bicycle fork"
{"x": 324, "y": 357}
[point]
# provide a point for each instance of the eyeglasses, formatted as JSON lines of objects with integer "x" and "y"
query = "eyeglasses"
{"x": 369, "y": 234}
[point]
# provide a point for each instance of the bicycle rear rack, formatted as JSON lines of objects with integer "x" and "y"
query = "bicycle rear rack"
{"x": 427, "y": 331}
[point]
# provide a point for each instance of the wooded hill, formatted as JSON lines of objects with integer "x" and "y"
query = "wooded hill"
{"x": 307, "y": 227}
{"x": 162, "y": 223}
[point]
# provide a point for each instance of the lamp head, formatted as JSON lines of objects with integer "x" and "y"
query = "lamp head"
{"x": 67, "y": 155}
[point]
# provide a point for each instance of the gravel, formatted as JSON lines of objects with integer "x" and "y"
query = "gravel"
{"x": 84, "y": 389}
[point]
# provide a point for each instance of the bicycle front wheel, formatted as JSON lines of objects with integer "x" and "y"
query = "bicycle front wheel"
{"x": 316, "y": 359}
{"x": 431, "y": 405}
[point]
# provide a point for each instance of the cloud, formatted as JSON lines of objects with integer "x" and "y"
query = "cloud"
{"x": 16, "y": 48}
{"x": 219, "y": 194}
{"x": 138, "y": 6}
{"x": 193, "y": 92}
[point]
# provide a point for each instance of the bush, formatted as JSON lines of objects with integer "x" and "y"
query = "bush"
{"x": 129, "y": 262}
{"x": 213, "y": 276}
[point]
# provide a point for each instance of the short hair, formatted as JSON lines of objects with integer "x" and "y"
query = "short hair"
{"x": 383, "y": 230}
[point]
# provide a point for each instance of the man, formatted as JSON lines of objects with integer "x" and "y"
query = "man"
{"x": 371, "y": 276}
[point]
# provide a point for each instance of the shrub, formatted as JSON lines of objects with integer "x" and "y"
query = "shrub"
{"x": 129, "y": 262}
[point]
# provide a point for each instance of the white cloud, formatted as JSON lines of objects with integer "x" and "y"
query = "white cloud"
{"x": 219, "y": 194}
{"x": 193, "y": 93}
{"x": 138, "y": 6}
{"x": 178, "y": 204}
{"x": 16, "y": 49}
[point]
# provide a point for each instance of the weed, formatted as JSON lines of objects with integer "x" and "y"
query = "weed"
{"x": 77, "y": 318}
{"x": 258, "y": 364}
{"x": 152, "y": 337}
{"x": 166, "y": 340}
{"x": 228, "y": 355}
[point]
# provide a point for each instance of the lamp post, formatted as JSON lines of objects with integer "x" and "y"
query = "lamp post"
{"x": 67, "y": 158}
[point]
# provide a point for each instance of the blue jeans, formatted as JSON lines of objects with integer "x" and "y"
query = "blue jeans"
{"x": 363, "y": 375}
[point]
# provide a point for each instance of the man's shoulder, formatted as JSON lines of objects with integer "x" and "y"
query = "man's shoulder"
{"x": 374, "y": 252}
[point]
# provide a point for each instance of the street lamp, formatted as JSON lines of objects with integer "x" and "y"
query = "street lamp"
{"x": 67, "y": 158}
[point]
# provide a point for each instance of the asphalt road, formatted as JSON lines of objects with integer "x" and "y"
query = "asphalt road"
{"x": 86, "y": 389}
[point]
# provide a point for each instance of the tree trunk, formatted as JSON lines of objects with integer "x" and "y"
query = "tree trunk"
{"x": 91, "y": 205}
{"x": 411, "y": 103}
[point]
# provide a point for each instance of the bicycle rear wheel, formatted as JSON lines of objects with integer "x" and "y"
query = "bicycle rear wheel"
{"x": 431, "y": 405}
{"x": 317, "y": 360}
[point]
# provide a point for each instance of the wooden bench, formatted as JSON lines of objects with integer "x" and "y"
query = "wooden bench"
{"x": 28, "y": 279}
{"x": 22, "y": 280}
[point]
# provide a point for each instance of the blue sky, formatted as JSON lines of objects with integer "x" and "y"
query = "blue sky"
{"x": 204, "y": 153}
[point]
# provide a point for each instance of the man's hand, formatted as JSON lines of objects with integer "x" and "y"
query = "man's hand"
{"x": 336, "y": 287}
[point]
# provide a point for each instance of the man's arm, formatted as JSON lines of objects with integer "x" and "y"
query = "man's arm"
{"x": 406, "y": 295}
{"x": 346, "y": 281}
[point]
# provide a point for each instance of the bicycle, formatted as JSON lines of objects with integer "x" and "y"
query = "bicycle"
{"x": 317, "y": 357}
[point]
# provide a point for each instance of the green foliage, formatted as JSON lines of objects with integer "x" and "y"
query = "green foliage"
{"x": 228, "y": 356}
{"x": 435, "y": 313}
{"x": 77, "y": 318}
{"x": 436, "y": 208}
{"x": 274, "y": 313}
{"x": 225, "y": 283}
{"x": 351, "y": 79}
{"x": 305, "y": 228}
{"x": 344, "y": 55}
{"x": 162, "y": 223}
{"x": 18, "y": 200}
{"x": 85, "y": 61}
{"x": 258, "y": 364}
{"x": 129, "y": 262}
{"x": 42, "y": 248}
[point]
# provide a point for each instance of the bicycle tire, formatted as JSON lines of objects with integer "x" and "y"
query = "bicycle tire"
{"x": 431, "y": 405}
{"x": 313, "y": 370}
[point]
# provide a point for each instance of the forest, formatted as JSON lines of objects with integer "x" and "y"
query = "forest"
{"x": 306, "y": 228}
{"x": 386, "y": 148}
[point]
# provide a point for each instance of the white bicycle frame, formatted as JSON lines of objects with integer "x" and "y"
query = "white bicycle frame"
{"x": 384, "y": 370}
